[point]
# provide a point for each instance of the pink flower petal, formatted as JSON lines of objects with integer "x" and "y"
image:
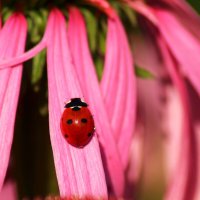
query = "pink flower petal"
{"x": 128, "y": 110}
{"x": 144, "y": 10}
{"x": 79, "y": 171}
{"x": 87, "y": 76}
{"x": 183, "y": 182}
{"x": 182, "y": 44}
{"x": 9, "y": 191}
{"x": 12, "y": 43}
{"x": 185, "y": 14}
{"x": 18, "y": 59}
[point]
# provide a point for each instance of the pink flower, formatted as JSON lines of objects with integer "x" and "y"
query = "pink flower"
{"x": 88, "y": 171}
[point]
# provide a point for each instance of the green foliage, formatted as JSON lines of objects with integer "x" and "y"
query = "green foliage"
{"x": 144, "y": 73}
{"x": 96, "y": 28}
{"x": 38, "y": 68}
{"x": 195, "y": 4}
{"x": 36, "y": 24}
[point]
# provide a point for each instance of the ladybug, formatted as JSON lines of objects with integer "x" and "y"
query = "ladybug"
{"x": 77, "y": 124}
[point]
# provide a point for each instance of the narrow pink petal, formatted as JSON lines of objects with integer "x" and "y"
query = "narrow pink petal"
{"x": 182, "y": 44}
{"x": 135, "y": 159}
{"x": 129, "y": 107}
{"x": 186, "y": 15}
{"x": 9, "y": 191}
{"x": 173, "y": 125}
{"x": 144, "y": 10}
{"x": 5, "y": 63}
{"x": 183, "y": 179}
{"x": 114, "y": 90}
{"x": 87, "y": 76}
{"x": 12, "y": 43}
{"x": 79, "y": 171}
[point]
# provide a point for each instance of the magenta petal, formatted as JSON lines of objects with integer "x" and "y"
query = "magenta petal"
{"x": 182, "y": 184}
{"x": 128, "y": 110}
{"x": 79, "y": 171}
{"x": 9, "y": 191}
{"x": 5, "y": 63}
{"x": 186, "y": 15}
{"x": 144, "y": 10}
{"x": 113, "y": 83}
{"x": 87, "y": 76}
{"x": 10, "y": 80}
{"x": 118, "y": 87}
{"x": 182, "y": 44}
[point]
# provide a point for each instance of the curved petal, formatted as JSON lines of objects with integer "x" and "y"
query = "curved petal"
{"x": 185, "y": 14}
{"x": 9, "y": 191}
{"x": 129, "y": 109}
{"x": 182, "y": 44}
{"x": 144, "y": 10}
{"x": 183, "y": 178}
{"x": 10, "y": 80}
{"x": 16, "y": 60}
{"x": 79, "y": 171}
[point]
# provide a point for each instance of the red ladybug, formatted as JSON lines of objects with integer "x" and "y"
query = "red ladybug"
{"x": 77, "y": 124}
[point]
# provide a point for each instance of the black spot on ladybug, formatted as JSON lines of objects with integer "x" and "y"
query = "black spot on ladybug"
{"x": 76, "y": 108}
{"x": 69, "y": 121}
{"x": 89, "y": 134}
{"x": 84, "y": 120}
{"x": 66, "y": 136}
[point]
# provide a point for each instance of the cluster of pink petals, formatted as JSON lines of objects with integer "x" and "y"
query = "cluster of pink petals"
{"x": 175, "y": 30}
{"x": 98, "y": 169}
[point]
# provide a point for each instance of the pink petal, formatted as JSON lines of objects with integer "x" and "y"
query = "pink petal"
{"x": 183, "y": 178}
{"x": 88, "y": 79}
{"x": 79, "y": 171}
{"x": 144, "y": 10}
{"x": 182, "y": 44}
{"x": 127, "y": 119}
{"x": 186, "y": 14}
{"x": 9, "y": 191}
{"x": 12, "y": 43}
{"x": 173, "y": 115}
{"x": 18, "y": 59}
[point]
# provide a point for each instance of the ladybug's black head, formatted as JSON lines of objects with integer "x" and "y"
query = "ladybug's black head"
{"x": 75, "y": 102}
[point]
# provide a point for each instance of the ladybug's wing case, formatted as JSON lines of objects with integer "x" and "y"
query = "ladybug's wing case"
{"x": 77, "y": 126}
